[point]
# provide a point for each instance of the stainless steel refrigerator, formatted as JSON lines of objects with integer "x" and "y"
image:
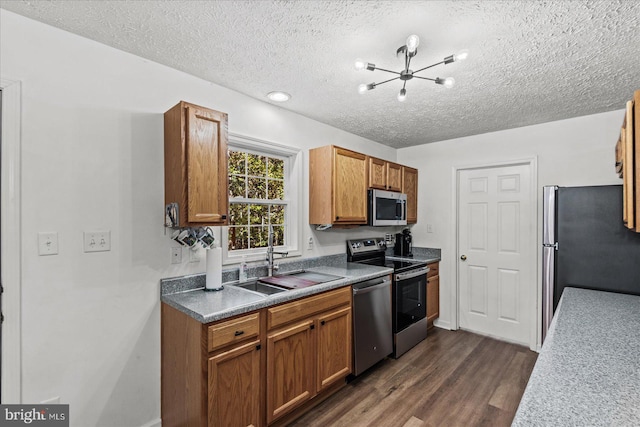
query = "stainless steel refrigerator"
{"x": 586, "y": 245}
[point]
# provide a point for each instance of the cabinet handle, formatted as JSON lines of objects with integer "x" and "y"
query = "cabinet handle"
{"x": 238, "y": 333}
{"x": 258, "y": 347}
{"x": 322, "y": 323}
{"x": 224, "y": 217}
{"x": 312, "y": 327}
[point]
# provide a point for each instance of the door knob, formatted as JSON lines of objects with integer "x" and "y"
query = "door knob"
{"x": 463, "y": 257}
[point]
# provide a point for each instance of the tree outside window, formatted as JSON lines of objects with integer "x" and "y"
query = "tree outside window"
{"x": 256, "y": 200}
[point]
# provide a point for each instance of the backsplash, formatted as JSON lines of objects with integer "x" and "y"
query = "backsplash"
{"x": 419, "y": 253}
{"x": 195, "y": 281}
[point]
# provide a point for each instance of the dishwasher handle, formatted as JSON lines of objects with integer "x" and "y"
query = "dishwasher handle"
{"x": 367, "y": 289}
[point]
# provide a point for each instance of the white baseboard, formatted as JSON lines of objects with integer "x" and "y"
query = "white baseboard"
{"x": 153, "y": 423}
{"x": 442, "y": 324}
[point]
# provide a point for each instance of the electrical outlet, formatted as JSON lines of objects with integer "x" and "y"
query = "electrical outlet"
{"x": 48, "y": 243}
{"x": 97, "y": 241}
{"x": 176, "y": 254}
{"x": 194, "y": 255}
{"x": 429, "y": 228}
{"x": 310, "y": 244}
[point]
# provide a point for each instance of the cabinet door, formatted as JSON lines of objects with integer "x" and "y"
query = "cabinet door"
{"x": 394, "y": 177}
{"x": 334, "y": 347}
{"x": 290, "y": 363}
{"x": 377, "y": 173}
{"x": 410, "y": 187}
{"x": 206, "y": 156}
{"x": 433, "y": 299}
{"x": 234, "y": 387}
{"x": 349, "y": 187}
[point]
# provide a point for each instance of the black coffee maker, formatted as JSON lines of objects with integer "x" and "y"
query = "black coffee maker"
{"x": 403, "y": 244}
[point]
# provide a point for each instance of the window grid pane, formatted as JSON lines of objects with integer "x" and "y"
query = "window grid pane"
{"x": 257, "y": 178}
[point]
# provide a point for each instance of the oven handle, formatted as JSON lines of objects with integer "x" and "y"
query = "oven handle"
{"x": 411, "y": 274}
{"x": 366, "y": 290}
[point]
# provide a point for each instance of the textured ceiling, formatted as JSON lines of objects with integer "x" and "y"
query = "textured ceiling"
{"x": 530, "y": 62}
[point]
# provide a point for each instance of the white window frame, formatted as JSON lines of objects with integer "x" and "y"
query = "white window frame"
{"x": 293, "y": 162}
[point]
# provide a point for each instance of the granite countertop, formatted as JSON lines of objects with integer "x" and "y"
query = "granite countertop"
{"x": 588, "y": 371}
{"x": 211, "y": 306}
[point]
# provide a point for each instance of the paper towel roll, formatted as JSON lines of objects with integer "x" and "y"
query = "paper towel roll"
{"x": 214, "y": 269}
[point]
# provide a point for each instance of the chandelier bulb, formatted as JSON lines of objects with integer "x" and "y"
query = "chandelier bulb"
{"x": 412, "y": 43}
{"x": 449, "y": 82}
{"x": 362, "y": 88}
{"x": 461, "y": 56}
{"x": 402, "y": 95}
{"x": 360, "y": 64}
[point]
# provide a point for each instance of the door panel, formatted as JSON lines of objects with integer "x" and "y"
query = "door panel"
{"x": 496, "y": 234}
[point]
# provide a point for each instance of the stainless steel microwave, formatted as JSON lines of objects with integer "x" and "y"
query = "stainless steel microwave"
{"x": 387, "y": 208}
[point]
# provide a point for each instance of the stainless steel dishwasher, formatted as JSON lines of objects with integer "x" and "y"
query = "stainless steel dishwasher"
{"x": 372, "y": 323}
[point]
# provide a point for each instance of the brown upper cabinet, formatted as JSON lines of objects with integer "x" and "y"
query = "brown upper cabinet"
{"x": 628, "y": 163}
{"x": 337, "y": 186}
{"x": 384, "y": 175}
{"x": 410, "y": 188}
{"x": 195, "y": 164}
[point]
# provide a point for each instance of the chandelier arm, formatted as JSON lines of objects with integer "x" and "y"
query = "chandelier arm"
{"x": 387, "y": 81}
{"x": 430, "y": 66}
{"x": 388, "y": 71}
{"x": 424, "y": 78}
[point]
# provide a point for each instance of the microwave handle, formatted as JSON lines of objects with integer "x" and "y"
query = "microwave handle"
{"x": 399, "y": 209}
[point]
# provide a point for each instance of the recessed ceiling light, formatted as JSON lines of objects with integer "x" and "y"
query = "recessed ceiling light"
{"x": 278, "y": 96}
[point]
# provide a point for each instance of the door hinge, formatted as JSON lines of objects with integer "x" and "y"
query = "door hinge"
{"x": 1, "y": 318}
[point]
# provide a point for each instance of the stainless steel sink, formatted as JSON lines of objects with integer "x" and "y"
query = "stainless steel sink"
{"x": 313, "y": 276}
{"x": 262, "y": 288}
{"x": 299, "y": 279}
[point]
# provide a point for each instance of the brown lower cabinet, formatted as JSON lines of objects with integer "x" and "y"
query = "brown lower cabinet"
{"x": 256, "y": 368}
{"x": 234, "y": 386}
{"x": 308, "y": 349}
{"x": 433, "y": 293}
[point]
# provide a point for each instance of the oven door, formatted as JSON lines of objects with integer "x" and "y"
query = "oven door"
{"x": 409, "y": 298}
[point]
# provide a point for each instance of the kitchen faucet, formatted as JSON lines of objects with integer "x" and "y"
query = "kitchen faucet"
{"x": 270, "y": 266}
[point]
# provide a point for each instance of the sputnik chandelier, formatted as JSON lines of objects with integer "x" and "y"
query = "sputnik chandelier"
{"x": 409, "y": 50}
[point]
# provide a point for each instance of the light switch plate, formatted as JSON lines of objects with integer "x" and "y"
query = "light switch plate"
{"x": 429, "y": 228}
{"x": 48, "y": 243}
{"x": 97, "y": 241}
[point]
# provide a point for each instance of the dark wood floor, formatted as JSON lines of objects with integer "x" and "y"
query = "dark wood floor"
{"x": 453, "y": 378}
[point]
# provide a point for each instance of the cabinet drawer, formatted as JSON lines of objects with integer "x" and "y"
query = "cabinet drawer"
{"x": 434, "y": 269}
{"x": 309, "y": 306}
{"x": 234, "y": 330}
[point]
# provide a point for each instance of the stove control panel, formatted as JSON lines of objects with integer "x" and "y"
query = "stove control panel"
{"x": 362, "y": 246}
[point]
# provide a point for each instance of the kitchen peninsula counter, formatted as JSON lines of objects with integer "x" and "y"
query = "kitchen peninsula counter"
{"x": 588, "y": 371}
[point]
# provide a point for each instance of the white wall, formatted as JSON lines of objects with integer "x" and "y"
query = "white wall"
{"x": 571, "y": 152}
{"x": 92, "y": 159}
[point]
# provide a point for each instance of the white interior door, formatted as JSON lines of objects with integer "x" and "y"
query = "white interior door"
{"x": 495, "y": 237}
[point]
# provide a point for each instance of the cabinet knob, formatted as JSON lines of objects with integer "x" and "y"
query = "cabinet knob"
{"x": 322, "y": 323}
{"x": 312, "y": 327}
{"x": 337, "y": 218}
{"x": 258, "y": 347}
{"x": 463, "y": 257}
{"x": 224, "y": 217}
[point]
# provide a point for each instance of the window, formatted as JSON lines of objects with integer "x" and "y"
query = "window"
{"x": 263, "y": 192}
